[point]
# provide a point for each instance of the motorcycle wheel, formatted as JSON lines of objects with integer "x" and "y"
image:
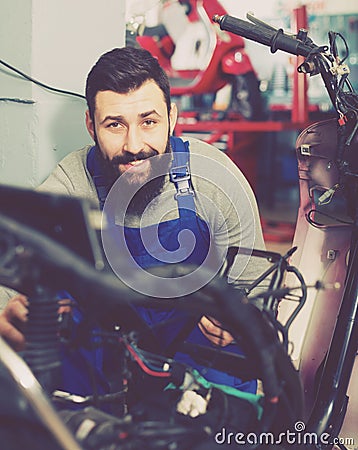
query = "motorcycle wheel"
{"x": 246, "y": 98}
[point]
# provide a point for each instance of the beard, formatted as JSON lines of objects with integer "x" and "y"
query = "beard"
{"x": 149, "y": 190}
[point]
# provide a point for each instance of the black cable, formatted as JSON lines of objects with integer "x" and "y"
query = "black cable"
{"x": 333, "y": 43}
{"x": 303, "y": 297}
{"x": 218, "y": 299}
{"x": 39, "y": 83}
{"x": 316, "y": 224}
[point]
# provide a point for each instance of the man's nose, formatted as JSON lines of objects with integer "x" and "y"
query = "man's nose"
{"x": 134, "y": 142}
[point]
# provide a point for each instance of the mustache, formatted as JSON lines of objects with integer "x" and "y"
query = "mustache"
{"x": 127, "y": 158}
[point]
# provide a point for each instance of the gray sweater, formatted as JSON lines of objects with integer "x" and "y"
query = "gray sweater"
{"x": 223, "y": 198}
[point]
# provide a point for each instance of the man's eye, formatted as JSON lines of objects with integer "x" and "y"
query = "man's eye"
{"x": 114, "y": 125}
{"x": 149, "y": 122}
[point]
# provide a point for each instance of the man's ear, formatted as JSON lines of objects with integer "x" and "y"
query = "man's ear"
{"x": 173, "y": 115}
{"x": 90, "y": 125}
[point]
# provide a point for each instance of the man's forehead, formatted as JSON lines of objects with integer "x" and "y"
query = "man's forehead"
{"x": 148, "y": 88}
{"x": 146, "y": 98}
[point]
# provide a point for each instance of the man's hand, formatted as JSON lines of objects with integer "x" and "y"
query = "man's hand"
{"x": 11, "y": 320}
{"x": 212, "y": 329}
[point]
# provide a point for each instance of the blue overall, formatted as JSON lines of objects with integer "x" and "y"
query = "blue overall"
{"x": 167, "y": 235}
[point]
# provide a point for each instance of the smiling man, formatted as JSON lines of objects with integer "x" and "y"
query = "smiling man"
{"x": 184, "y": 200}
{"x": 128, "y": 129}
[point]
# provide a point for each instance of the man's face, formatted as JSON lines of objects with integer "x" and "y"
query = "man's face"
{"x": 130, "y": 128}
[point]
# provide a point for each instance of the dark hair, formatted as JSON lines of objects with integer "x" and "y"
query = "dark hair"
{"x": 123, "y": 70}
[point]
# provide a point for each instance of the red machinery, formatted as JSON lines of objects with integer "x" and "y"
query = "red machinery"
{"x": 202, "y": 59}
{"x": 204, "y": 63}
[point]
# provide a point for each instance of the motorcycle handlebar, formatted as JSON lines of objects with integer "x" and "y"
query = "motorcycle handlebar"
{"x": 275, "y": 39}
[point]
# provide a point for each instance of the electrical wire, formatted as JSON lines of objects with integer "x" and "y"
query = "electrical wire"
{"x": 333, "y": 43}
{"x": 143, "y": 364}
{"x": 39, "y": 83}
{"x": 317, "y": 224}
{"x": 243, "y": 319}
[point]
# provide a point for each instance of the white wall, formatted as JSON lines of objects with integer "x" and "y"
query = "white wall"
{"x": 56, "y": 43}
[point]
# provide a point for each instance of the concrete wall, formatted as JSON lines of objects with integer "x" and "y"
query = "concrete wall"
{"x": 56, "y": 43}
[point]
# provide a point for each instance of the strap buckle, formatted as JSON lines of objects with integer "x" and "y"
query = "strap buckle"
{"x": 180, "y": 175}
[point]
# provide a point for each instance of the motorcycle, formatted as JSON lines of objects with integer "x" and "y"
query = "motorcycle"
{"x": 40, "y": 257}
{"x": 326, "y": 235}
{"x": 208, "y": 69}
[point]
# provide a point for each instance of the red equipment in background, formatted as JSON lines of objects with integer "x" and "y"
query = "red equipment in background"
{"x": 204, "y": 63}
{"x": 201, "y": 59}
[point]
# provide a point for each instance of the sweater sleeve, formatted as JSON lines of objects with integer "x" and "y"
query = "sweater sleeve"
{"x": 5, "y": 295}
{"x": 71, "y": 177}
{"x": 57, "y": 182}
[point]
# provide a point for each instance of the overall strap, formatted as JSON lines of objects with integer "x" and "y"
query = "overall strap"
{"x": 180, "y": 174}
{"x": 99, "y": 180}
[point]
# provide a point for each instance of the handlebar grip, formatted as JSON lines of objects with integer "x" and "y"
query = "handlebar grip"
{"x": 275, "y": 39}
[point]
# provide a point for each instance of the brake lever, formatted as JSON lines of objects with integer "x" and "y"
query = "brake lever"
{"x": 250, "y": 16}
